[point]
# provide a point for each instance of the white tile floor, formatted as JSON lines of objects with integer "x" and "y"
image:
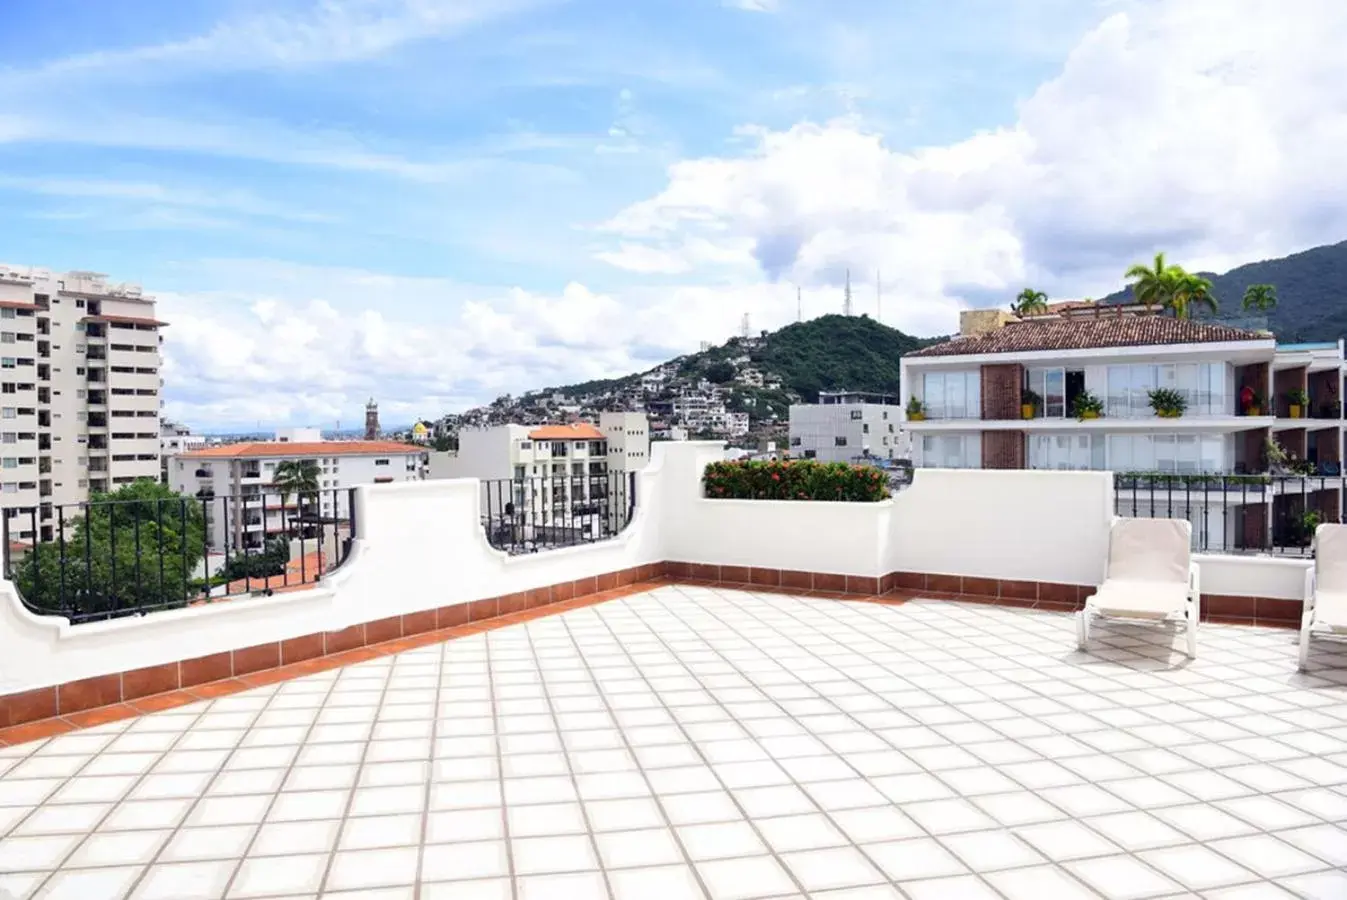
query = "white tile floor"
{"x": 693, "y": 743}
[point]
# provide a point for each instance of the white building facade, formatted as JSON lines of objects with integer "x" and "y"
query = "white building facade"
{"x": 80, "y": 375}
{"x": 235, "y": 484}
{"x": 848, "y": 427}
{"x": 556, "y": 482}
{"x": 1009, "y": 395}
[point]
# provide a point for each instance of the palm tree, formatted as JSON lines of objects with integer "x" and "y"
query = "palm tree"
{"x": 1153, "y": 285}
{"x": 1260, "y": 297}
{"x": 1189, "y": 292}
{"x": 1030, "y": 303}
{"x": 296, "y": 476}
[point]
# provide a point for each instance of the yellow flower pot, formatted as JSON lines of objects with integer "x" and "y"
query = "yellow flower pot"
{"x": 1089, "y": 414}
{"x": 1027, "y": 411}
{"x": 1295, "y": 410}
{"x": 916, "y": 417}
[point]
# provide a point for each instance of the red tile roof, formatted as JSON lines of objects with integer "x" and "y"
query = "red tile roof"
{"x": 1089, "y": 333}
{"x": 18, "y": 304}
{"x": 576, "y": 431}
{"x": 259, "y": 449}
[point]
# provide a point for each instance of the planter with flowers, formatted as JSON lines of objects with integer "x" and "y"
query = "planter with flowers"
{"x": 1298, "y": 400}
{"x": 794, "y": 480}
{"x": 916, "y": 412}
{"x": 1087, "y": 406}
{"x": 1167, "y": 403}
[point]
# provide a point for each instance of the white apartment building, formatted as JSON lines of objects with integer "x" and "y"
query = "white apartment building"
{"x": 173, "y": 440}
{"x": 849, "y": 426}
{"x": 81, "y": 392}
{"x": 243, "y": 509}
{"x": 1238, "y": 386}
{"x": 554, "y": 479}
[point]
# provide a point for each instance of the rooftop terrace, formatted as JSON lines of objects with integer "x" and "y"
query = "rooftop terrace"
{"x": 730, "y": 699}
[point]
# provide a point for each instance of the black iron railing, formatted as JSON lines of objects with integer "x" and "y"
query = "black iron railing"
{"x": 109, "y": 558}
{"x": 1236, "y": 513}
{"x": 528, "y": 515}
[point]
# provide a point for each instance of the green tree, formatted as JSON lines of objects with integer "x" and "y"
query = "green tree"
{"x": 1153, "y": 285}
{"x": 1260, "y": 297}
{"x": 1030, "y": 303}
{"x": 270, "y": 561}
{"x": 137, "y": 547}
{"x": 720, "y": 372}
{"x": 1189, "y": 292}
{"x": 296, "y": 476}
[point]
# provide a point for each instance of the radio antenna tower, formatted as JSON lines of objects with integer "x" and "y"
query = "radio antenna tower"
{"x": 846, "y": 296}
{"x": 743, "y": 326}
{"x": 799, "y": 305}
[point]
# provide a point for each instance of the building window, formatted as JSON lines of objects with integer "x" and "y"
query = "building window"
{"x": 865, "y": 428}
{"x": 10, "y": 462}
{"x": 1066, "y": 451}
{"x": 8, "y": 412}
{"x": 795, "y": 442}
{"x": 8, "y": 362}
{"x": 381, "y": 462}
{"x": 1202, "y": 384}
{"x": 856, "y": 415}
{"x": 840, "y": 440}
{"x": 7, "y": 313}
{"x": 558, "y": 448}
{"x": 525, "y": 445}
{"x": 1182, "y": 454}
{"x": 951, "y": 451}
{"x": 952, "y": 395}
{"x": 6, "y": 337}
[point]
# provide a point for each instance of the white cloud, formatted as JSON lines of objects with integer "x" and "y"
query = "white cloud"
{"x": 328, "y": 31}
{"x": 286, "y": 343}
{"x": 766, "y": 6}
{"x": 1183, "y": 126}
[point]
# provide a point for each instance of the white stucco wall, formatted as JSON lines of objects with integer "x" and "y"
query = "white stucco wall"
{"x": 1253, "y": 576}
{"x": 1020, "y": 525}
{"x": 421, "y": 546}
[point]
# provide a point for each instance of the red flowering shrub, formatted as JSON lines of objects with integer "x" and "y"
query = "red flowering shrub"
{"x": 801, "y": 479}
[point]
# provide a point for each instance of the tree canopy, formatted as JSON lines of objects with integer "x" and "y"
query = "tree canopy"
{"x": 1030, "y": 303}
{"x": 139, "y": 546}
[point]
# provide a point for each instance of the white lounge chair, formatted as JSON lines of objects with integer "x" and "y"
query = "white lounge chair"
{"x": 1325, "y": 589}
{"x": 1150, "y": 577}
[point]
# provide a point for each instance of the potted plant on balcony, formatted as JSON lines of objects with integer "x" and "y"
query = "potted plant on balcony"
{"x": 1309, "y": 523}
{"x": 1029, "y": 403}
{"x": 916, "y": 412}
{"x": 1252, "y": 401}
{"x": 1087, "y": 406}
{"x": 1298, "y": 400}
{"x": 1167, "y": 403}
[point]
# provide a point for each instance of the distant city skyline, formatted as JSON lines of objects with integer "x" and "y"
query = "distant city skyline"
{"x": 441, "y": 201}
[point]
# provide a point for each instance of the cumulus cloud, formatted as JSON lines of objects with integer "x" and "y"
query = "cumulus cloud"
{"x": 1187, "y": 127}
{"x": 1184, "y": 126}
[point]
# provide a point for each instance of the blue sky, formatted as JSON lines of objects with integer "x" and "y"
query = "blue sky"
{"x": 437, "y": 201}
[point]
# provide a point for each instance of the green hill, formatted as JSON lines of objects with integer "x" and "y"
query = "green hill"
{"x": 830, "y": 353}
{"x": 1311, "y": 292}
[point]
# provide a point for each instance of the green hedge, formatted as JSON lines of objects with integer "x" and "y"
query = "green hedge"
{"x": 805, "y": 479}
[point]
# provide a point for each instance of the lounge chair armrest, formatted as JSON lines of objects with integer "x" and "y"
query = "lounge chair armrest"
{"x": 1195, "y": 588}
{"x": 1309, "y": 588}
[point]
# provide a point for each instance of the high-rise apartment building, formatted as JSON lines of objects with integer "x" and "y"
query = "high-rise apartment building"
{"x": 80, "y": 392}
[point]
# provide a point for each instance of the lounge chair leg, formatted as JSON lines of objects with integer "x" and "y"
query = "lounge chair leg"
{"x": 1082, "y": 629}
{"x": 1192, "y": 635}
{"x": 1304, "y": 646}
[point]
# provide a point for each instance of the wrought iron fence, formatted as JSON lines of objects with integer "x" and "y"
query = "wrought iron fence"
{"x": 532, "y": 514}
{"x": 110, "y": 558}
{"x": 1236, "y": 513}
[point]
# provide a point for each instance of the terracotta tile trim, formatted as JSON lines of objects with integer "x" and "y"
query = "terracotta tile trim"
{"x": 1262, "y": 611}
{"x": 47, "y": 711}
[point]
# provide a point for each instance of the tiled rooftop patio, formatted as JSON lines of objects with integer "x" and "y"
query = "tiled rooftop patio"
{"x": 700, "y": 742}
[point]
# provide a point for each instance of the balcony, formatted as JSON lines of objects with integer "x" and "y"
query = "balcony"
{"x": 727, "y": 697}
